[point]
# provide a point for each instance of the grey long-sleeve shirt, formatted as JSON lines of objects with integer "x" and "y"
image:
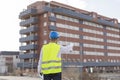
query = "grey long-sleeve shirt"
{"x": 63, "y": 49}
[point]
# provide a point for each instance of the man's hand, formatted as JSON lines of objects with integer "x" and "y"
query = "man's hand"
{"x": 41, "y": 75}
{"x": 71, "y": 47}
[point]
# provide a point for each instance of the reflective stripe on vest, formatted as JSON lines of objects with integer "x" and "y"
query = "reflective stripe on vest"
{"x": 55, "y": 67}
{"x": 51, "y": 63}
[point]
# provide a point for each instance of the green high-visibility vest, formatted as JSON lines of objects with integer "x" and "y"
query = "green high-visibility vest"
{"x": 51, "y": 63}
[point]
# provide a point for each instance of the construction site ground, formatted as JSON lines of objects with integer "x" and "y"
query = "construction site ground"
{"x": 110, "y": 76}
{"x": 18, "y": 78}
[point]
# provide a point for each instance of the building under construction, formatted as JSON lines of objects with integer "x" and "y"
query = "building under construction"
{"x": 96, "y": 38}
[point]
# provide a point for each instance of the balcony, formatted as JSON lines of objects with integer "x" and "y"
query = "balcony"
{"x": 28, "y": 56}
{"x": 27, "y": 65}
{"x": 72, "y": 13}
{"x": 106, "y": 22}
{"x": 52, "y": 28}
{"x": 47, "y": 9}
{"x": 79, "y": 15}
{"x": 118, "y": 25}
{"x": 52, "y": 18}
{"x": 29, "y": 47}
{"x": 27, "y": 13}
{"x": 29, "y": 38}
{"x": 28, "y": 30}
{"x": 32, "y": 21}
{"x": 90, "y": 64}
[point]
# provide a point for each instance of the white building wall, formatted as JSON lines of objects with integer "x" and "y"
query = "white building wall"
{"x": 3, "y": 66}
{"x": 3, "y": 69}
{"x": 15, "y": 61}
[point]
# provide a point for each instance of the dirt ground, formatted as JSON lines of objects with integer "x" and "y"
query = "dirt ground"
{"x": 17, "y": 78}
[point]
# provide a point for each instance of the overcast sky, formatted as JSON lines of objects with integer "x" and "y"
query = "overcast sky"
{"x": 10, "y": 9}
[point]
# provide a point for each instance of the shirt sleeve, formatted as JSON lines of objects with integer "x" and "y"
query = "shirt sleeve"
{"x": 39, "y": 62}
{"x": 65, "y": 49}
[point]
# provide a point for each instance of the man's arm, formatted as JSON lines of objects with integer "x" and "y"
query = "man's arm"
{"x": 67, "y": 48}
